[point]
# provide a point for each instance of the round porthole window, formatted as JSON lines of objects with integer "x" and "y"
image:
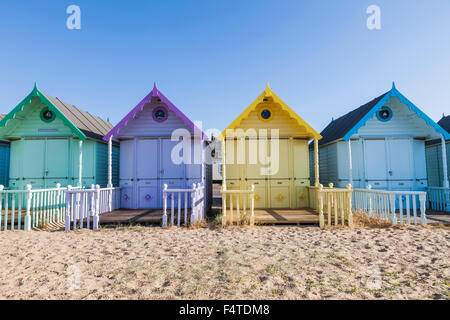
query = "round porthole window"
{"x": 265, "y": 114}
{"x": 160, "y": 114}
{"x": 385, "y": 114}
{"x": 47, "y": 115}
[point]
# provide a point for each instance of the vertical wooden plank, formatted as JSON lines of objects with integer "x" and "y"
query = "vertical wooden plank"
{"x": 179, "y": 210}
{"x": 6, "y": 211}
{"x": 13, "y": 210}
{"x": 68, "y": 207}
{"x": 349, "y": 206}
{"x": 408, "y": 209}
{"x": 231, "y": 209}
{"x": 172, "y": 204}
{"x": 224, "y": 206}
{"x": 238, "y": 213}
{"x": 414, "y": 202}
{"x": 2, "y": 194}
{"x": 394, "y": 216}
{"x": 252, "y": 209}
{"x": 422, "y": 199}
{"x": 320, "y": 199}
{"x": 164, "y": 222}
{"x": 185, "y": 208}
{"x": 400, "y": 205}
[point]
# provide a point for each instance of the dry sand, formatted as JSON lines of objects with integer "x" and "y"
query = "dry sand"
{"x": 237, "y": 263}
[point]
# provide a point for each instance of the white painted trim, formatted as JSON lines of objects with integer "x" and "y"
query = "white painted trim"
{"x": 444, "y": 163}
{"x": 350, "y": 162}
{"x": 80, "y": 164}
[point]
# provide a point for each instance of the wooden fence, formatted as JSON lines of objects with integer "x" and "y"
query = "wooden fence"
{"x": 83, "y": 207}
{"x": 438, "y": 199}
{"x": 194, "y": 199}
{"x": 333, "y": 204}
{"x": 31, "y": 208}
{"x": 236, "y": 199}
{"x": 387, "y": 205}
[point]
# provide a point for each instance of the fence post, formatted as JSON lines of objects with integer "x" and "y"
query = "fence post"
{"x": 370, "y": 204}
{"x": 164, "y": 221}
{"x": 58, "y": 202}
{"x": 194, "y": 205}
{"x": 224, "y": 205}
{"x": 394, "y": 216}
{"x": 349, "y": 205}
{"x": 1, "y": 202}
{"x": 252, "y": 209}
{"x": 320, "y": 203}
{"x": 27, "y": 221}
{"x": 97, "y": 207}
{"x": 423, "y": 218}
{"x": 68, "y": 207}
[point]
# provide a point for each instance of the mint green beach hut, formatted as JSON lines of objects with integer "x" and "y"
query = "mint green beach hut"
{"x": 53, "y": 142}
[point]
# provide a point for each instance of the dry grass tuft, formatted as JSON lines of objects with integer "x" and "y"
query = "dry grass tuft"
{"x": 362, "y": 220}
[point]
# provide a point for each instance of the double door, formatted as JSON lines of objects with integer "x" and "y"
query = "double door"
{"x": 40, "y": 162}
{"x": 146, "y": 164}
{"x": 279, "y": 172}
{"x": 389, "y": 163}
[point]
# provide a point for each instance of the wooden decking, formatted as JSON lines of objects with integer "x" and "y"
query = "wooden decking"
{"x": 262, "y": 216}
{"x": 148, "y": 216}
{"x": 286, "y": 216}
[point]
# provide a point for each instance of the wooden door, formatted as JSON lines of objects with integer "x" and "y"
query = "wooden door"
{"x": 376, "y": 165}
{"x": 147, "y": 162}
{"x": 301, "y": 172}
{"x": 400, "y": 173}
{"x": 233, "y": 169}
{"x": 253, "y": 173}
{"x": 127, "y": 173}
{"x": 56, "y": 162}
{"x": 34, "y": 163}
{"x": 280, "y": 184}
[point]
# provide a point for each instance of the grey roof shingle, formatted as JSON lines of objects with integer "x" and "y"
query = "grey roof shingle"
{"x": 338, "y": 128}
{"x": 92, "y": 126}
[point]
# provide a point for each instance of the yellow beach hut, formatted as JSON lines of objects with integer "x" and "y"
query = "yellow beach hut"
{"x": 266, "y": 148}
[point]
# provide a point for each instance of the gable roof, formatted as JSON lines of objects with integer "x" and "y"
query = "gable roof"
{"x": 445, "y": 123}
{"x": 268, "y": 93}
{"x": 82, "y": 123}
{"x": 349, "y": 124}
{"x": 338, "y": 128}
{"x": 154, "y": 93}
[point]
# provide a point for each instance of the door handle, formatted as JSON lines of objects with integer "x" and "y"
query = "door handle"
{"x": 390, "y": 173}
{"x": 46, "y": 173}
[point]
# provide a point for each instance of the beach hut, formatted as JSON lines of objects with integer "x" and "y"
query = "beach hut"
{"x": 381, "y": 144}
{"x": 54, "y": 142}
{"x": 160, "y": 146}
{"x": 437, "y": 161}
{"x": 267, "y": 147}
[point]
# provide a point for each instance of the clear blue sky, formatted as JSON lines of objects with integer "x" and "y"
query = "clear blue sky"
{"x": 212, "y": 58}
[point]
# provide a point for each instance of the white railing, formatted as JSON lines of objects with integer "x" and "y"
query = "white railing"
{"x": 85, "y": 206}
{"x": 197, "y": 198}
{"x": 246, "y": 198}
{"x": 384, "y": 204}
{"x": 333, "y": 204}
{"x": 27, "y": 209}
{"x": 438, "y": 199}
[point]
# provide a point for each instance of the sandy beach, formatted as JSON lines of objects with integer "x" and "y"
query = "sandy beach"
{"x": 267, "y": 262}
